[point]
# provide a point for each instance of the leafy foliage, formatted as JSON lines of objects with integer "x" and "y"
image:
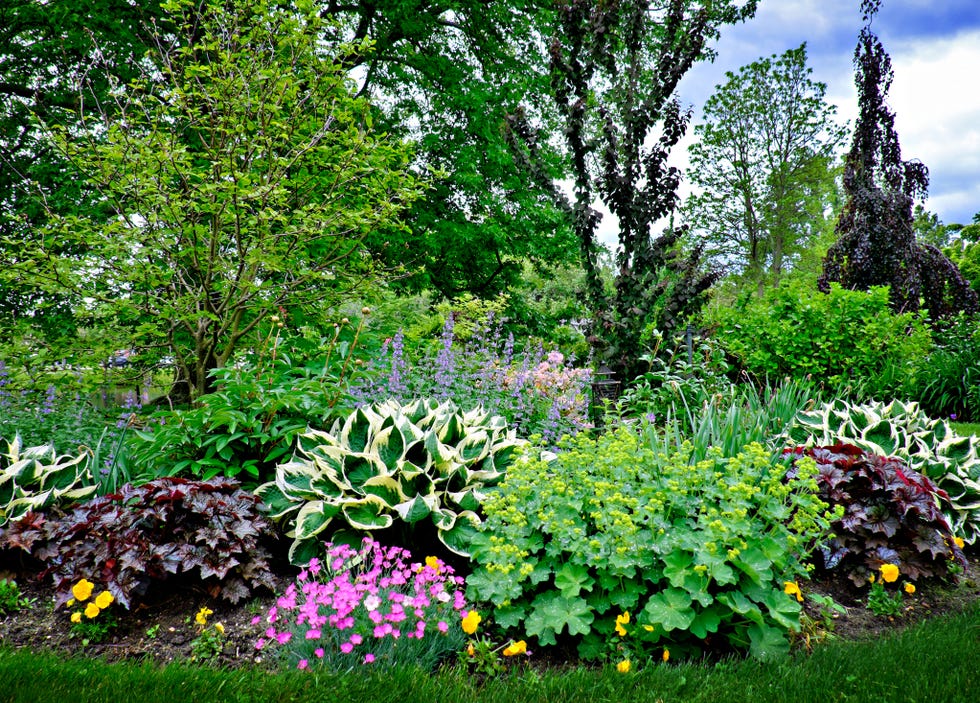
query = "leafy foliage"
{"x": 842, "y": 338}
{"x": 764, "y": 165}
{"x": 614, "y": 68}
{"x": 211, "y": 530}
{"x": 903, "y": 430}
{"x": 876, "y": 243}
{"x": 891, "y": 515}
{"x": 947, "y": 382}
{"x": 422, "y": 463}
{"x": 35, "y": 478}
{"x": 696, "y": 550}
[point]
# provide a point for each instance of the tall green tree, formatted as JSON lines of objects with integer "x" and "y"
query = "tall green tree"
{"x": 764, "y": 166}
{"x": 614, "y": 70}
{"x": 243, "y": 177}
{"x": 876, "y": 243}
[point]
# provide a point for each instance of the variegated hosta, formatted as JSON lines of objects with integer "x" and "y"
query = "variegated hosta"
{"x": 36, "y": 477}
{"x": 902, "y": 430}
{"x": 422, "y": 461}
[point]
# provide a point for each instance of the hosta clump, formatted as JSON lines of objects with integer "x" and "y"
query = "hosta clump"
{"x": 890, "y": 515}
{"x": 695, "y": 550}
{"x": 421, "y": 463}
{"x": 207, "y": 530}
{"x": 370, "y": 607}
{"x": 902, "y": 430}
{"x": 34, "y": 478}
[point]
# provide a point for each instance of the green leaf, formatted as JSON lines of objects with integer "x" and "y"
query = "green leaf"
{"x": 418, "y": 508}
{"x": 551, "y": 613}
{"x": 767, "y": 643}
{"x": 671, "y": 609}
{"x": 572, "y": 579}
{"x": 369, "y": 513}
{"x": 313, "y": 518}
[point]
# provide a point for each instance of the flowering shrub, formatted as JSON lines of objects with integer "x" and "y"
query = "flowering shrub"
{"x": 889, "y": 514}
{"x": 694, "y": 549}
{"x": 93, "y": 621}
{"x": 368, "y": 607}
{"x": 537, "y": 393}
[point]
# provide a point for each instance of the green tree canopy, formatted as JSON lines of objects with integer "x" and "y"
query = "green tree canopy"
{"x": 242, "y": 177}
{"x": 764, "y": 166}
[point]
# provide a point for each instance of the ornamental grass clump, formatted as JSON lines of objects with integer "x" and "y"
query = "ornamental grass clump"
{"x": 370, "y": 607}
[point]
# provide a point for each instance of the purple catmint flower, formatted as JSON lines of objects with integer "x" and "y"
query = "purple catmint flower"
{"x": 49, "y": 396}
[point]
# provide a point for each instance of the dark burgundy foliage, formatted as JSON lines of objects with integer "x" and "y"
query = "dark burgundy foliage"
{"x": 130, "y": 540}
{"x": 892, "y": 514}
{"x": 876, "y": 244}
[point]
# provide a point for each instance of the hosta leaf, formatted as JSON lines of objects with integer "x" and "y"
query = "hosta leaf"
{"x": 411, "y": 511}
{"x": 277, "y": 504}
{"x": 459, "y": 537}
{"x": 369, "y": 513}
{"x": 474, "y": 447}
{"x": 389, "y": 446}
{"x": 358, "y": 468}
{"x": 357, "y": 431}
{"x": 386, "y": 488}
{"x": 314, "y": 517}
{"x": 882, "y": 434}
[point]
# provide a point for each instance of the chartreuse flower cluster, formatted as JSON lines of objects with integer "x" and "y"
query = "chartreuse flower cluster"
{"x": 90, "y": 616}
{"x": 692, "y": 549}
{"x": 371, "y": 607}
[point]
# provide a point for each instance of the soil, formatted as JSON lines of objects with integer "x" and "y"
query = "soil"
{"x": 162, "y": 630}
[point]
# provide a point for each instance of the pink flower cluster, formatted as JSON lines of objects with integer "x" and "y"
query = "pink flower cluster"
{"x": 360, "y": 604}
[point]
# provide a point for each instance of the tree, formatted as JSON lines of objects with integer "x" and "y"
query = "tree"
{"x": 243, "y": 177}
{"x": 614, "y": 68}
{"x": 764, "y": 164}
{"x": 876, "y": 244}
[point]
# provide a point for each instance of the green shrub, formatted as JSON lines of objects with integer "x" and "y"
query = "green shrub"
{"x": 887, "y": 514}
{"x": 843, "y": 338}
{"x": 947, "y": 382}
{"x": 902, "y": 430}
{"x": 36, "y": 477}
{"x": 691, "y": 550}
{"x": 425, "y": 461}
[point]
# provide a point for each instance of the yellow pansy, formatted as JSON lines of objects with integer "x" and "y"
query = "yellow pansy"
{"x": 471, "y": 622}
{"x": 910, "y": 588}
{"x": 958, "y": 541}
{"x": 220, "y": 628}
{"x": 433, "y": 563}
{"x": 666, "y": 655}
{"x": 76, "y": 616}
{"x": 515, "y": 648}
{"x": 82, "y": 590}
{"x": 202, "y": 616}
{"x": 620, "y": 621}
{"x": 92, "y": 610}
{"x": 793, "y": 589}
{"x": 889, "y": 572}
{"x": 623, "y": 667}
{"x": 104, "y": 600}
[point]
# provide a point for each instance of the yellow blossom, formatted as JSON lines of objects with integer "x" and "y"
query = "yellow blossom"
{"x": 623, "y": 667}
{"x": 793, "y": 589}
{"x": 958, "y": 541}
{"x": 76, "y": 616}
{"x": 889, "y": 572}
{"x": 433, "y": 563}
{"x": 620, "y": 621}
{"x": 515, "y": 648}
{"x": 871, "y": 578}
{"x": 104, "y": 600}
{"x": 91, "y": 610}
{"x": 470, "y": 649}
{"x": 220, "y": 628}
{"x": 202, "y": 616}
{"x": 82, "y": 590}
{"x": 471, "y": 622}
{"x": 71, "y": 602}
{"x": 666, "y": 654}
{"x": 910, "y": 588}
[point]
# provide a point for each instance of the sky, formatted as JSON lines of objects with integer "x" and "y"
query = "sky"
{"x": 935, "y": 51}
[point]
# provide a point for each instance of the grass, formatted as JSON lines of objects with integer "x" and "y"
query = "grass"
{"x": 966, "y": 428}
{"x": 933, "y": 661}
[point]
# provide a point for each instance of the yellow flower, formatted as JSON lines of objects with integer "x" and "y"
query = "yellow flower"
{"x": 515, "y": 648}
{"x": 620, "y": 621}
{"x": 793, "y": 589}
{"x": 91, "y": 610}
{"x": 220, "y": 628}
{"x": 433, "y": 563}
{"x": 76, "y": 616}
{"x": 470, "y": 649}
{"x": 82, "y": 590}
{"x": 958, "y": 541}
{"x": 71, "y": 602}
{"x": 623, "y": 667}
{"x": 910, "y": 588}
{"x": 871, "y": 578}
{"x": 648, "y": 628}
{"x": 471, "y": 622}
{"x": 104, "y": 600}
{"x": 202, "y": 616}
{"x": 889, "y": 572}
{"x": 666, "y": 654}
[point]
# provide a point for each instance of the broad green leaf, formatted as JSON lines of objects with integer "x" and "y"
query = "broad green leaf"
{"x": 671, "y": 609}
{"x": 767, "y": 643}
{"x": 369, "y": 513}
{"x": 572, "y": 579}
{"x": 415, "y": 509}
{"x": 313, "y": 518}
{"x": 551, "y": 613}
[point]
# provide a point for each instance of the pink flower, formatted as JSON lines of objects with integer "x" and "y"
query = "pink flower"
{"x": 346, "y": 648}
{"x": 256, "y": 620}
{"x": 318, "y": 652}
{"x": 302, "y": 664}
{"x": 356, "y": 639}
{"x": 313, "y": 634}
{"x": 283, "y": 637}
{"x": 443, "y": 627}
{"x": 260, "y": 644}
{"x": 314, "y": 566}
{"x": 368, "y": 658}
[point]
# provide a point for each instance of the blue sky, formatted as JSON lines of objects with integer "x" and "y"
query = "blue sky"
{"x": 935, "y": 50}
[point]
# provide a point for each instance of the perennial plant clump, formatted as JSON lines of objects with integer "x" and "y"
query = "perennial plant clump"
{"x": 371, "y": 606}
{"x": 91, "y": 619}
